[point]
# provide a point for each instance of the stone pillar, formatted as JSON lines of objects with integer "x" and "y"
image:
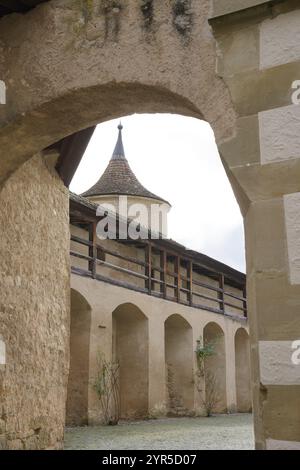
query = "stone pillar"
{"x": 274, "y": 295}
{"x": 259, "y": 58}
{"x": 34, "y": 308}
{"x": 230, "y": 370}
{"x": 157, "y": 368}
{"x": 199, "y": 380}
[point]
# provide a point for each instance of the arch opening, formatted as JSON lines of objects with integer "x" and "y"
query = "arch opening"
{"x": 135, "y": 404}
{"x": 175, "y": 135}
{"x": 83, "y": 108}
{"x": 242, "y": 371}
{"x": 78, "y": 381}
{"x": 130, "y": 350}
{"x": 179, "y": 365}
{"x": 215, "y": 368}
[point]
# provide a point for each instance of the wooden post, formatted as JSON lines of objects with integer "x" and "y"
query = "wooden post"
{"x": 163, "y": 273}
{"x": 190, "y": 282}
{"x": 245, "y": 302}
{"x": 93, "y": 249}
{"x": 178, "y": 278}
{"x": 148, "y": 272}
{"x": 221, "y": 294}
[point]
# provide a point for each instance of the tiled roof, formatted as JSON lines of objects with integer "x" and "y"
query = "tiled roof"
{"x": 118, "y": 178}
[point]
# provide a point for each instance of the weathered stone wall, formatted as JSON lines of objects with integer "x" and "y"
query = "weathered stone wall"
{"x": 78, "y": 380}
{"x": 34, "y": 307}
{"x": 130, "y": 58}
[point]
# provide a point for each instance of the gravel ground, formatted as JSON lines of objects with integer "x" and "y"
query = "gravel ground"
{"x": 217, "y": 432}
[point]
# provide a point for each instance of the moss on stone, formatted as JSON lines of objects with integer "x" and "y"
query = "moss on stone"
{"x": 88, "y": 6}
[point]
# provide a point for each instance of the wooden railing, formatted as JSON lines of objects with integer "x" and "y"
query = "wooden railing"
{"x": 182, "y": 284}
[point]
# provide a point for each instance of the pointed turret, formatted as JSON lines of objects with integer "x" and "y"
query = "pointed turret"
{"x": 119, "y": 179}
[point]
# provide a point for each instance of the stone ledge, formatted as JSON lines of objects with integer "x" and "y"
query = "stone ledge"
{"x": 224, "y": 10}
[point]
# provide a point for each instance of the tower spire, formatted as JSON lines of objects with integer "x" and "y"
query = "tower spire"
{"x": 119, "y": 152}
{"x": 118, "y": 178}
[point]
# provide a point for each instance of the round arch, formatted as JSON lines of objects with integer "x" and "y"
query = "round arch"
{"x": 78, "y": 381}
{"x": 92, "y": 80}
{"x": 179, "y": 365}
{"x": 215, "y": 368}
{"x": 242, "y": 371}
{"x": 130, "y": 350}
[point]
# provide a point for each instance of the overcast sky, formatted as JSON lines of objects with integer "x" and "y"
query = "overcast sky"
{"x": 176, "y": 158}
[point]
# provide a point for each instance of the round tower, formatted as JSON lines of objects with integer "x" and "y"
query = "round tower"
{"x": 119, "y": 189}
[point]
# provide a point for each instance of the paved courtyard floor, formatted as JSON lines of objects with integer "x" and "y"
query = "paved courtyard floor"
{"x": 217, "y": 432}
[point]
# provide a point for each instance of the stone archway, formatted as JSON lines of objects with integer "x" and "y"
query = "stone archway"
{"x": 92, "y": 80}
{"x": 242, "y": 371}
{"x": 95, "y": 64}
{"x": 92, "y": 65}
{"x": 179, "y": 365}
{"x": 78, "y": 381}
{"x": 215, "y": 367}
{"x": 130, "y": 350}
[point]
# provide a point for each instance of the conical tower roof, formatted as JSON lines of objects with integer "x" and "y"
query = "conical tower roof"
{"x": 118, "y": 178}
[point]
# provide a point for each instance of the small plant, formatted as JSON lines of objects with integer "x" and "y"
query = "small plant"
{"x": 106, "y": 385}
{"x": 158, "y": 411}
{"x": 211, "y": 397}
{"x": 203, "y": 351}
{"x": 206, "y": 380}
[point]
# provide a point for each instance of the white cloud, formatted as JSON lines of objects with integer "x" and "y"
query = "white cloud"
{"x": 175, "y": 157}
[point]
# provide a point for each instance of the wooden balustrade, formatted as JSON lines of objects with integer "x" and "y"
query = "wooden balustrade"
{"x": 169, "y": 285}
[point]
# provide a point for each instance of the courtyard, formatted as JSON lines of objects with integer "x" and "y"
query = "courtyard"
{"x": 231, "y": 432}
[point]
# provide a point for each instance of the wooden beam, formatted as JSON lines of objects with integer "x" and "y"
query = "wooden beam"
{"x": 93, "y": 249}
{"x": 221, "y": 292}
{"x": 71, "y": 150}
{"x": 245, "y": 303}
{"x": 82, "y": 272}
{"x": 148, "y": 270}
{"x": 163, "y": 273}
{"x": 190, "y": 282}
{"x": 177, "y": 278}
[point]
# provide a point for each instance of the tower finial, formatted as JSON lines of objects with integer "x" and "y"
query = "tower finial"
{"x": 119, "y": 148}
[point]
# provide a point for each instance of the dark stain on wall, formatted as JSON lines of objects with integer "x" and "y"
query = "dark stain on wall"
{"x": 111, "y": 10}
{"x": 182, "y": 17}
{"x": 147, "y": 12}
